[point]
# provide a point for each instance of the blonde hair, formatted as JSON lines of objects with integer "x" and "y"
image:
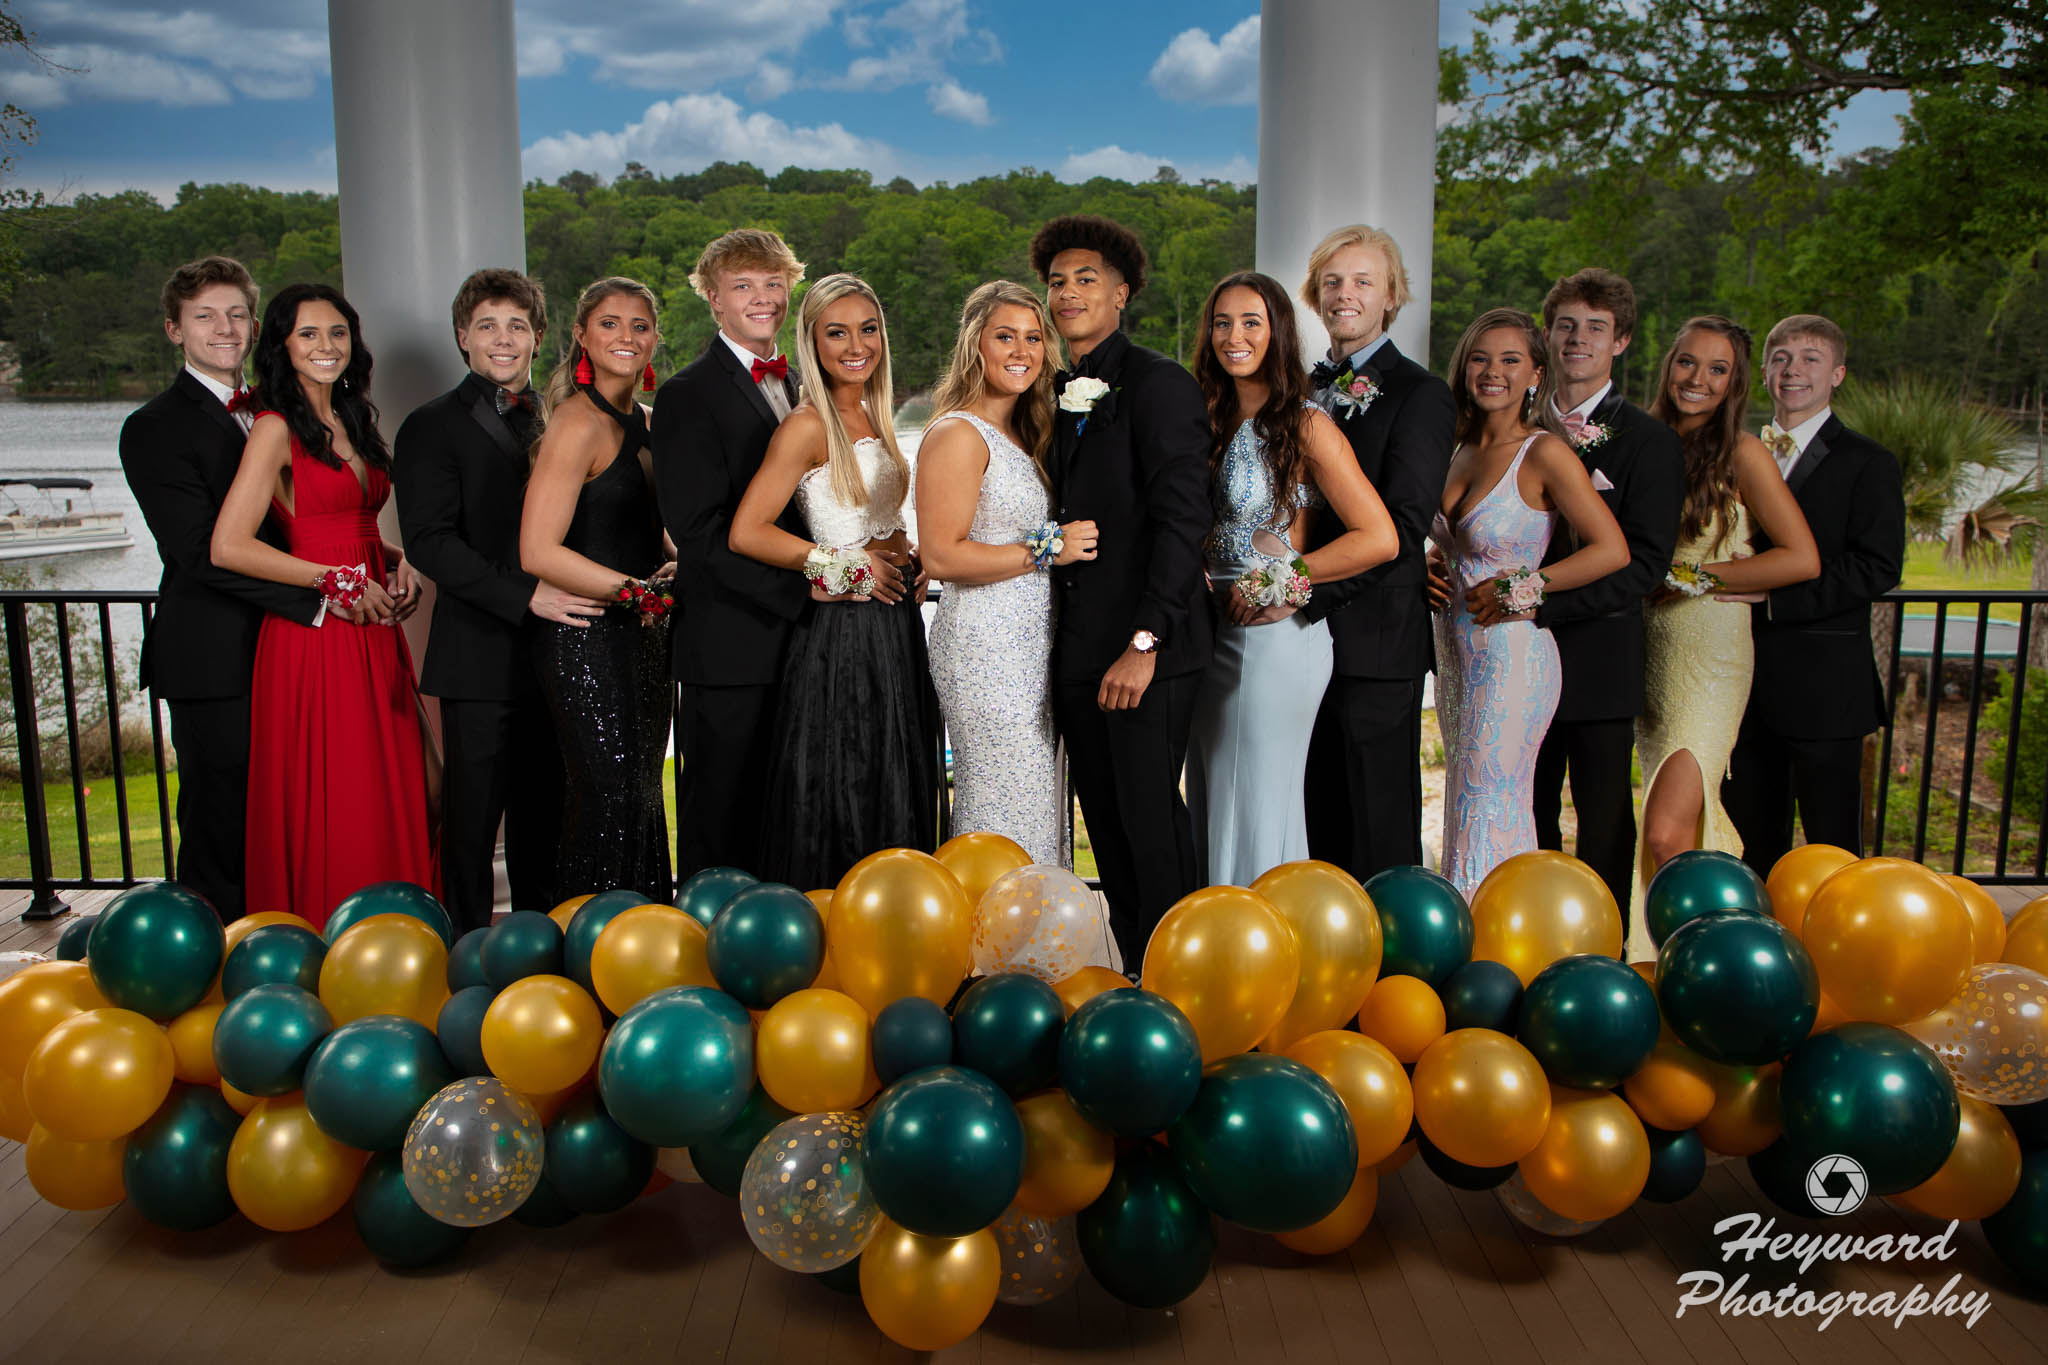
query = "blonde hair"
{"x": 1373, "y": 239}
{"x": 876, "y": 393}
{"x": 744, "y": 249}
{"x": 967, "y": 376}
{"x": 1809, "y": 325}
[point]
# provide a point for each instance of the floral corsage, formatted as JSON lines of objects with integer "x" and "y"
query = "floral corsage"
{"x": 1521, "y": 590}
{"x": 1276, "y": 583}
{"x": 652, "y": 598}
{"x": 1046, "y": 544}
{"x": 1692, "y": 580}
{"x": 1352, "y": 394}
{"x": 839, "y": 570}
{"x": 1590, "y": 436}
{"x": 343, "y": 587}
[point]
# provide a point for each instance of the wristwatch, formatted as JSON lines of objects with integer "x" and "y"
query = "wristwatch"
{"x": 1145, "y": 642}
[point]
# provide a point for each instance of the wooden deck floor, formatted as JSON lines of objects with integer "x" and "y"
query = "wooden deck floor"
{"x": 1441, "y": 1274}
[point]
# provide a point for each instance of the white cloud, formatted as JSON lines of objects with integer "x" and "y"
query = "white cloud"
{"x": 1119, "y": 164}
{"x": 1194, "y": 69}
{"x": 180, "y": 58}
{"x": 673, "y": 44}
{"x": 109, "y": 74}
{"x": 950, "y": 101}
{"x": 910, "y": 43}
{"x": 772, "y": 81}
{"x": 692, "y": 131}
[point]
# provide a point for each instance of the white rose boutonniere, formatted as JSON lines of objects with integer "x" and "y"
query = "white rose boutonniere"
{"x": 1080, "y": 395}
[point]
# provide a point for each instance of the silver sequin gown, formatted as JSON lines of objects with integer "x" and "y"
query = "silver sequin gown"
{"x": 991, "y": 653}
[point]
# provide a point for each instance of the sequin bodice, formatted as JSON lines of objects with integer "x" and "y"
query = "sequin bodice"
{"x": 1014, "y": 500}
{"x": 1243, "y": 499}
{"x": 832, "y": 522}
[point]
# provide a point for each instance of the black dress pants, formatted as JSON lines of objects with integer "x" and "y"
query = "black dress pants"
{"x": 500, "y": 761}
{"x": 212, "y": 739}
{"x": 1771, "y": 774}
{"x": 1595, "y": 754}
{"x": 1363, "y": 787}
{"x": 724, "y": 734}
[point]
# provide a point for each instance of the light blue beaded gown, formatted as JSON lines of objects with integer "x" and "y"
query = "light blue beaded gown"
{"x": 1258, "y": 701}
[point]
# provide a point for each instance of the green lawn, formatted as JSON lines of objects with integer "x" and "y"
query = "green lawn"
{"x": 103, "y": 825}
{"x": 1928, "y": 571}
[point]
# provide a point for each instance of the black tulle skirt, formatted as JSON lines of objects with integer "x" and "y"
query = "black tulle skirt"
{"x": 853, "y": 766}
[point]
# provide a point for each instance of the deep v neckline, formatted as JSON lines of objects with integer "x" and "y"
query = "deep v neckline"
{"x": 1514, "y": 461}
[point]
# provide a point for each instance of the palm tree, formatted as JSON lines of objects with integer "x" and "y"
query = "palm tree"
{"x": 1945, "y": 443}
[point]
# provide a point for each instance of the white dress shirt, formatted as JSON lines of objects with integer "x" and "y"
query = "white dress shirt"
{"x": 221, "y": 391}
{"x": 1802, "y": 436}
{"x": 776, "y": 394}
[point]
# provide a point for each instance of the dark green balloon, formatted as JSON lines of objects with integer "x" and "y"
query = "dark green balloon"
{"x": 678, "y": 1066}
{"x": 544, "y": 1208}
{"x": 2029, "y": 1123}
{"x": 722, "y": 1158}
{"x": 1483, "y": 994}
{"x": 1147, "y": 1239}
{"x": 71, "y": 943}
{"x": 945, "y": 1152}
{"x": 767, "y": 942}
{"x": 704, "y": 895}
{"x": 1266, "y": 1144}
{"x": 524, "y": 943}
{"x": 1590, "y": 1020}
{"x": 155, "y": 950}
{"x": 1701, "y": 881}
{"x": 397, "y": 1231}
{"x": 368, "y": 1078}
{"x": 1780, "y": 1172}
{"x": 459, "y": 1028}
{"x": 1008, "y": 1028}
{"x": 843, "y": 1278}
{"x": 1424, "y": 923}
{"x": 1457, "y": 1173}
{"x": 176, "y": 1165}
{"x": 1678, "y": 1162}
{"x": 1130, "y": 1062}
{"x": 586, "y": 924}
{"x": 288, "y": 953}
{"x": 390, "y": 898}
{"x": 1875, "y": 1093}
{"x": 264, "y": 1038}
{"x": 595, "y": 1165}
{"x": 2018, "y": 1233}
{"x": 909, "y": 1035}
{"x": 466, "y": 960}
{"x": 1737, "y": 989}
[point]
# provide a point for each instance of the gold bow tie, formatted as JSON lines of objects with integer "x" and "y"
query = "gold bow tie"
{"x": 1780, "y": 443}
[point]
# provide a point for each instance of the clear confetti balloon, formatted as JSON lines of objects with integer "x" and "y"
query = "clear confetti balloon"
{"x": 1038, "y": 920}
{"x": 1041, "y": 1259}
{"x": 473, "y": 1153}
{"x": 1531, "y": 1212}
{"x": 805, "y": 1192}
{"x": 1993, "y": 1036}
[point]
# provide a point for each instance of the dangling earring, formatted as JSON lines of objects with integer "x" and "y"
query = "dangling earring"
{"x": 647, "y": 378}
{"x": 584, "y": 374}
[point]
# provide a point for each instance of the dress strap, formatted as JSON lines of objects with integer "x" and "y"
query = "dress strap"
{"x": 632, "y": 421}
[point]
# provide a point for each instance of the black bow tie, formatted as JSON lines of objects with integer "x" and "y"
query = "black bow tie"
{"x": 1323, "y": 374}
{"x": 507, "y": 400}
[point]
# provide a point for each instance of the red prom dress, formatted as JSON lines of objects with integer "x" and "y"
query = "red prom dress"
{"x": 337, "y": 774}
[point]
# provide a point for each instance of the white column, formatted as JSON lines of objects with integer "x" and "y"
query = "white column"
{"x": 1347, "y": 134}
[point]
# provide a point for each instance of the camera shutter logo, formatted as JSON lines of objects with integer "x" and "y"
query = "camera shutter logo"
{"x": 1837, "y": 1184}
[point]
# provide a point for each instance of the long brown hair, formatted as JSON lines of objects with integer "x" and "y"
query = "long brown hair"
{"x": 1709, "y": 447}
{"x": 1536, "y": 407}
{"x": 966, "y": 378}
{"x": 1281, "y": 423}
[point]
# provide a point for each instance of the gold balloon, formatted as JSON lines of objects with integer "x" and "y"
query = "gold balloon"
{"x": 1338, "y": 932}
{"x": 812, "y": 1052}
{"x": 550, "y": 1103}
{"x": 284, "y": 1174}
{"x": 1673, "y": 1089}
{"x": 35, "y": 1000}
{"x": 73, "y": 1174}
{"x": 237, "y": 930}
{"x": 1541, "y": 906}
{"x": 15, "y": 1120}
{"x": 1399, "y": 1159}
{"x": 192, "y": 1044}
{"x": 1993, "y": 1037}
{"x": 828, "y": 976}
{"x": 1405, "y": 1014}
{"x": 901, "y": 926}
{"x": 1828, "y": 1016}
{"x": 1369, "y": 1079}
{"x": 647, "y": 949}
{"x": 541, "y": 1034}
{"x": 241, "y": 1101}
{"x": 1981, "y": 1172}
{"x": 1084, "y": 985}
{"x": 1594, "y": 1157}
{"x": 1067, "y": 1160}
{"x": 2026, "y": 937}
{"x": 99, "y": 1075}
{"x": 1797, "y": 875}
{"x": 928, "y": 1293}
{"x": 1228, "y": 959}
{"x": 1745, "y": 1118}
{"x": 1481, "y": 1097}
{"x": 1987, "y": 921}
{"x": 1341, "y": 1226}
{"x": 1889, "y": 938}
{"x": 566, "y": 911}
{"x": 387, "y": 964}
{"x": 978, "y": 858}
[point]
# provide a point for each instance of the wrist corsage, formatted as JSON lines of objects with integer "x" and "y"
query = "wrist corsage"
{"x": 1692, "y": 580}
{"x": 1276, "y": 583}
{"x": 839, "y": 570}
{"x": 1046, "y": 544}
{"x": 1521, "y": 590}
{"x": 652, "y": 599}
{"x": 342, "y": 587}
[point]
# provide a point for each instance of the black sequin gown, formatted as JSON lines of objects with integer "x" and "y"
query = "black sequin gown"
{"x": 608, "y": 687}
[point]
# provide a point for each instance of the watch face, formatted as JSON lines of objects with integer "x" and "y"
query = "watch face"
{"x": 1144, "y": 642}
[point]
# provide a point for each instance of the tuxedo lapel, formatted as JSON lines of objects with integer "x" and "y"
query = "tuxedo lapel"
{"x": 485, "y": 411}
{"x": 1810, "y": 458}
{"x": 198, "y": 394}
{"x": 744, "y": 381}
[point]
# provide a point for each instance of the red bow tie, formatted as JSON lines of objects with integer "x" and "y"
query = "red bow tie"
{"x": 779, "y": 367}
{"x": 243, "y": 397}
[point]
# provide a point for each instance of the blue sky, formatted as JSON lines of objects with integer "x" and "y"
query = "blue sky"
{"x": 166, "y": 91}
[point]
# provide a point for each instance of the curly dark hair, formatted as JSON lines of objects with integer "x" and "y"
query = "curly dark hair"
{"x": 1116, "y": 244}
{"x": 1281, "y": 423}
{"x": 281, "y": 390}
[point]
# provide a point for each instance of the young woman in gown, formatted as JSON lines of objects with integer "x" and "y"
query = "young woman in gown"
{"x": 1498, "y": 678}
{"x": 337, "y": 767}
{"x": 981, "y": 495}
{"x": 590, "y": 526}
{"x": 1697, "y": 648}
{"x": 1276, "y": 462}
{"x": 853, "y": 764}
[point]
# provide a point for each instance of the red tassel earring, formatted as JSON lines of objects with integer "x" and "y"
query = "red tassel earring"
{"x": 584, "y": 374}
{"x": 647, "y": 378}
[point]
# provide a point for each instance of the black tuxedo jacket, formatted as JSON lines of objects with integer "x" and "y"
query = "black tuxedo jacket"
{"x": 712, "y": 425}
{"x": 1599, "y": 628}
{"x": 1139, "y": 469}
{"x": 459, "y": 469}
{"x": 1379, "y": 620}
{"x": 179, "y": 452}
{"x": 1816, "y": 677}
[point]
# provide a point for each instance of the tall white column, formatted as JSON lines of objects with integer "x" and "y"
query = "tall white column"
{"x": 1347, "y": 134}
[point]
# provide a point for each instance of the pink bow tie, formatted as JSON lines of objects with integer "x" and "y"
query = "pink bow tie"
{"x": 1574, "y": 423}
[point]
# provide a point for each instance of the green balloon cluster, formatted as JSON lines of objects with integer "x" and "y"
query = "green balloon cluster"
{"x": 390, "y": 898}
{"x": 1591, "y": 1021}
{"x": 1130, "y": 1062}
{"x": 265, "y": 1036}
{"x": 909, "y": 1035}
{"x": 1737, "y": 989}
{"x": 397, "y": 1230}
{"x": 945, "y": 1152}
{"x": 286, "y": 953}
{"x": 1483, "y": 994}
{"x": 1701, "y": 881}
{"x": 1008, "y": 1028}
{"x": 707, "y": 893}
{"x": 2018, "y": 1233}
{"x": 466, "y": 960}
{"x": 1267, "y": 1144}
{"x": 1456, "y": 1173}
{"x": 767, "y": 942}
{"x": 595, "y": 1165}
{"x": 71, "y": 944}
{"x": 1147, "y": 1239}
{"x": 155, "y": 950}
{"x": 590, "y": 920}
{"x": 1874, "y": 1093}
{"x": 367, "y": 1080}
{"x": 175, "y": 1166}
{"x": 524, "y": 943}
{"x": 459, "y": 1028}
{"x": 1424, "y": 923}
{"x": 1678, "y": 1162}
{"x": 677, "y": 1067}
{"x": 721, "y": 1159}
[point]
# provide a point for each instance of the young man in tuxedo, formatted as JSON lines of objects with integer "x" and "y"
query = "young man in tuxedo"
{"x": 459, "y": 466}
{"x": 1364, "y": 779}
{"x": 1131, "y": 454}
{"x": 1815, "y": 693}
{"x": 179, "y": 452}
